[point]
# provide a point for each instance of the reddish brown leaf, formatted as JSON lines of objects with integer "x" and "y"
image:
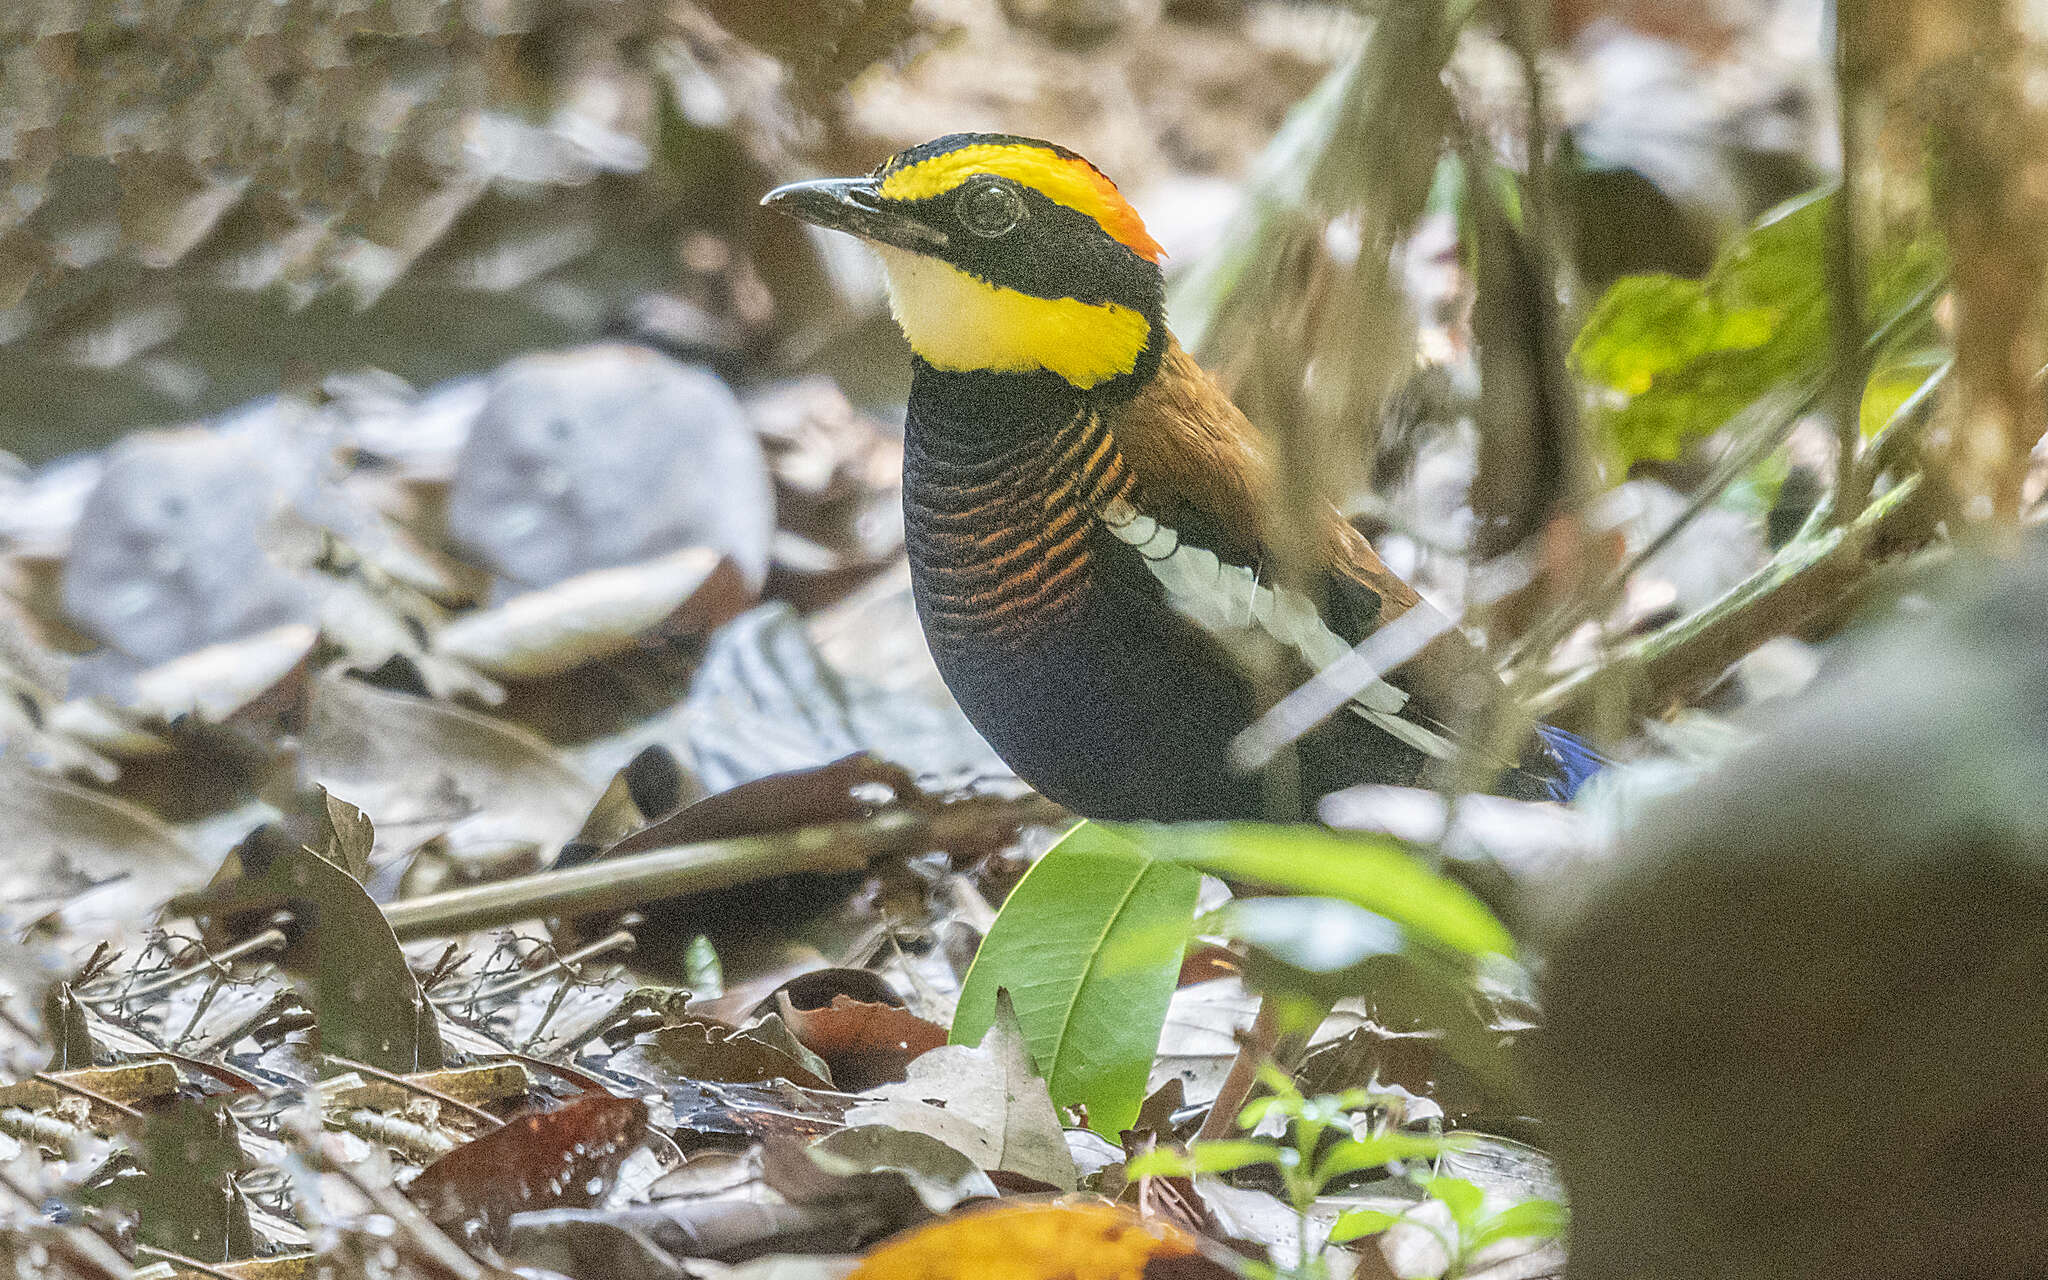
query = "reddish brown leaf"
{"x": 553, "y": 1159}
{"x": 864, "y": 1044}
{"x": 1208, "y": 962}
{"x": 847, "y": 788}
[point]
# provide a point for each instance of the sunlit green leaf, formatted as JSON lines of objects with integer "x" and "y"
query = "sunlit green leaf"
{"x": 1529, "y": 1219}
{"x": 1160, "y": 1162}
{"x": 1461, "y": 1197}
{"x": 1220, "y": 1156}
{"x": 1372, "y": 871}
{"x": 1679, "y": 358}
{"x": 1894, "y": 382}
{"x": 1255, "y": 1110}
{"x": 1355, "y": 1223}
{"x": 1319, "y": 935}
{"x": 1354, "y": 1154}
{"x": 1088, "y": 946}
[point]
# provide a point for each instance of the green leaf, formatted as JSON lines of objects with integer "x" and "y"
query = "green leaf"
{"x": 1160, "y": 1162}
{"x": 1088, "y": 946}
{"x": 1374, "y": 872}
{"x": 1461, "y": 1197}
{"x": 1895, "y": 381}
{"x": 1225, "y": 1154}
{"x": 1220, "y": 1156}
{"x": 1354, "y": 1223}
{"x": 1679, "y": 358}
{"x": 1318, "y": 935}
{"x": 1255, "y": 1111}
{"x": 1354, "y": 1154}
{"x": 1530, "y": 1219}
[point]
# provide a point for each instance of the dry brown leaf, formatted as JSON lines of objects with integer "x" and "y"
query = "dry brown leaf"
{"x": 420, "y": 768}
{"x": 865, "y": 1044}
{"x": 728, "y": 1055}
{"x": 563, "y": 1158}
{"x": 987, "y": 1102}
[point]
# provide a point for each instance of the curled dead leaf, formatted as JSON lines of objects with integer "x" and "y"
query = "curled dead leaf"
{"x": 597, "y": 615}
{"x": 728, "y": 1055}
{"x": 99, "y": 861}
{"x": 420, "y": 768}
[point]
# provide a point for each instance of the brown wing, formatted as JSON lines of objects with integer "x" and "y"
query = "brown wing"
{"x": 1185, "y": 442}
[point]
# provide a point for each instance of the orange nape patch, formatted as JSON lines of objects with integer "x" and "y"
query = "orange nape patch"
{"x": 1067, "y": 180}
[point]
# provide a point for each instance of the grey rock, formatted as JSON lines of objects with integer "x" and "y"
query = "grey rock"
{"x": 173, "y": 550}
{"x": 605, "y": 455}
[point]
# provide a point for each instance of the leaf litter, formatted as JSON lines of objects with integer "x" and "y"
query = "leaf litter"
{"x": 266, "y": 1079}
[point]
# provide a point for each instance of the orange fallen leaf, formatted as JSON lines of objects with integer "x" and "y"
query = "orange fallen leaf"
{"x": 1056, "y": 1240}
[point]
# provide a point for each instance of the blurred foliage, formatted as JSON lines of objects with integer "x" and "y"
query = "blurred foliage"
{"x": 1382, "y": 875}
{"x": 1318, "y": 1150}
{"x": 1818, "y": 923}
{"x": 1359, "y": 157}
{"x": 1680, "y": 358}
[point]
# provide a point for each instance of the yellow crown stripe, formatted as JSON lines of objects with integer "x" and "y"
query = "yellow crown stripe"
{"x": 1061, "y": 179}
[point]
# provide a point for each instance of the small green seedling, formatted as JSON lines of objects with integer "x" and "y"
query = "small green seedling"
{"x": 1307, "y": 1166}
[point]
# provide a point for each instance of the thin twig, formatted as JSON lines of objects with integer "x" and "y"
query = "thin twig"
{"x": 1906, "y": 425}
{"x": 213, "y": 962}
{"x": 226, "y": 1075}
{"x": 199, "y": 1010}
{"x": 1816, "y": 571}
{"x": 183, "y": 1263}
{"x": 589, "y": 1083}
{"x": 1775, "y": 413}
{"x": 413, "y": 1086}
{"x": 1253, "y": 1049}
{"x": 617, "y": 940}
{"x": 617, "y": 884}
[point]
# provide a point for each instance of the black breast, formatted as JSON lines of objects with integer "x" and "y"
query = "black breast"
{"x": 1058, "y": 642}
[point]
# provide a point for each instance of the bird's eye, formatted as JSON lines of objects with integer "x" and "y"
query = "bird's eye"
{"x": 990, "y": 207}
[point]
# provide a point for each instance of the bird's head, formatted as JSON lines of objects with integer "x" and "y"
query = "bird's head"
{"x": 1005, "y": 255}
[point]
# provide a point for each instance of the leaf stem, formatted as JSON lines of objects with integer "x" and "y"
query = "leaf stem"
{"x": 1844, "y": 272}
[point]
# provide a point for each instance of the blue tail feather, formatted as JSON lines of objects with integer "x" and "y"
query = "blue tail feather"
{"x": 1572, "y": 761}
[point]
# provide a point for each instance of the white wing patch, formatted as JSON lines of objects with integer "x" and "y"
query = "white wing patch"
{"x": 1228, "y": 598}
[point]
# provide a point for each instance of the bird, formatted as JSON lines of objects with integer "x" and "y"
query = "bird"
{"x": 1086, "y": 514}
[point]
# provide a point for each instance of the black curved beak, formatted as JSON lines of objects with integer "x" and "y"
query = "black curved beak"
{"x": 852, "y": 205}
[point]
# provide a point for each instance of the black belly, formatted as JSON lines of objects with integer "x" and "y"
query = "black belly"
{"x": 1123, "y": 709}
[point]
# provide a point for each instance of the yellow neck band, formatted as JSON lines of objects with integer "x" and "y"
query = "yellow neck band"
{"x": 958, "y": 322}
